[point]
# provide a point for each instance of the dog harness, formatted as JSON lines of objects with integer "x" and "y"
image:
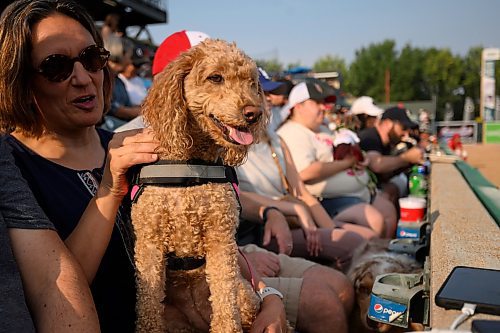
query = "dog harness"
{"x": 182, "y": 174}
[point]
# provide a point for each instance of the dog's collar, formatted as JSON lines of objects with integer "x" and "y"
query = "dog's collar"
{"x": 182, "y": 173}
{"x": 175, "y": 263}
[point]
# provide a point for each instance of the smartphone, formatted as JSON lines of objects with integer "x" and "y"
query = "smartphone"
{"x": 480, "y": 286}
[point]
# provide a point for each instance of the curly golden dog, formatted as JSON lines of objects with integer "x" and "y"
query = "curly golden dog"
{"x": 369, "y": 261}
{"x": 208, "y": 106}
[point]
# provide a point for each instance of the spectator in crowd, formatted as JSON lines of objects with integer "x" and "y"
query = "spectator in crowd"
{"x": 424, "y": 120}
{"x": 122, "y": 110}
{"x": 269, "y": 176}
{"x": 58, "y": 149}
{"x": 366, "y": 111}
{"x": 111, "y": 26}
{"x": 315, "y": 234}
{"x": 269, "y": 85}
{"x": 342, "y": 185}
{"x": 168, "y": 50}
{"x": 379, "y": 142}
{"x": 134, "y": 84}
{"x": 55, "y": 289}
{"x": 317, "y": 298}
{"x": 278, "y": 99}
{"x": 425, "y": 141}
{"x": 77, "y": 172}
{"x": 455, "y": 145}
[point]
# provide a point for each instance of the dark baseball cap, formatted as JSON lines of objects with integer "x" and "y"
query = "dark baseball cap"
{"x": 284, "y": 89}
{"x": 139, "y": 57}
{"x": 266, "y": 82}
{"x": 400, "y": 115}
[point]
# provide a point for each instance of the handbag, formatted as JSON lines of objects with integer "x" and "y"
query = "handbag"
{"x": 293, "y": 220}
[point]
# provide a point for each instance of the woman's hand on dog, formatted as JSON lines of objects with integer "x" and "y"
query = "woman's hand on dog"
{"x": 127, "y": 149}
{"x": 271, "y": 318}
{"x": 277, "y": 227}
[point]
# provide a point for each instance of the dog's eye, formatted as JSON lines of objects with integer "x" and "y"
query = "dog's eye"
{"x": 216, "y": 78}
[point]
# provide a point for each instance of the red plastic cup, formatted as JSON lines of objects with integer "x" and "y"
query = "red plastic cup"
{"x": 412, "y": 209}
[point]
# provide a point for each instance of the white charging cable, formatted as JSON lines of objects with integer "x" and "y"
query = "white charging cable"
{"x": 467, "y": 311}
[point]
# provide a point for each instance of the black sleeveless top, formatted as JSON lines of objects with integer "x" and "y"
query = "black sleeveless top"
{"x": 64, "y": 194}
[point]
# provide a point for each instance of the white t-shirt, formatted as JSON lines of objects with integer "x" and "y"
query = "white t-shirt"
{"x": 307, "y": 147}
{"x": 136, "y": 123}
{"x": 260, "y": 173}
{"x": 135, "y": 88}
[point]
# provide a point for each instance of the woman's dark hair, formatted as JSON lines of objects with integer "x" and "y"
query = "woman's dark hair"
{"x": 16, "y": 24}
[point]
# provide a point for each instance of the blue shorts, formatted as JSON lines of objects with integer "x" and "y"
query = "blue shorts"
{"x": 335, "y": 205}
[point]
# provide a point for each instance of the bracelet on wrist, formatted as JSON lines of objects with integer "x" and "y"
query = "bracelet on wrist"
{"x": 265, "y": 212}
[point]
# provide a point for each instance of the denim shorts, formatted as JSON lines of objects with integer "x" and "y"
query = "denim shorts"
{"x": 335, "y": 205}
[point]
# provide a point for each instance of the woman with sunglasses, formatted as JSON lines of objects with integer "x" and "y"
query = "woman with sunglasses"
{"x": 55, "y": 85}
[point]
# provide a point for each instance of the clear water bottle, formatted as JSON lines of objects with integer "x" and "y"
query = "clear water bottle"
{"x": 427, "y": 165}
{"x": 417, "y": 182}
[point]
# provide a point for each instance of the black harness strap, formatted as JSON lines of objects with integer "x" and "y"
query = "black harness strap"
{"x": 183, "y": 263}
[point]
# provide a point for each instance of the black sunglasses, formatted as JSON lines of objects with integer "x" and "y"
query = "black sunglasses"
{"x": 58, "y": 67}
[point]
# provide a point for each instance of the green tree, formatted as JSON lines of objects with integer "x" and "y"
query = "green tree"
{"x": 330, "y": 63}
{"x": 416, "y": 74}
{"x": 271, "y": 66}
{"x": 407, "y": 78}
{"x": 367, "y": 72}
{"x": 472, "y": 75}
{"x": 443, "y": 73}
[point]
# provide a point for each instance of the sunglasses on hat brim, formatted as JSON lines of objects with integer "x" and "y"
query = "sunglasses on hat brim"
{"x": 58, "y": 67}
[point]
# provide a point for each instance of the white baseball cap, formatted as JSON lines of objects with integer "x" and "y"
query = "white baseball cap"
{"x": 365, "y": 105}
{"x": 309, "y": 90}
{"x": 345, "y": 136}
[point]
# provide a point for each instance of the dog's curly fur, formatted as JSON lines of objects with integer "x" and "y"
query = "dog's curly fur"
{"x": 370, "y": 260}
{"x": 211, "y": 84}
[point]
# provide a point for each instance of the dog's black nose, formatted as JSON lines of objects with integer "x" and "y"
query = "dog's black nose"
{"x": 251, "y": 113}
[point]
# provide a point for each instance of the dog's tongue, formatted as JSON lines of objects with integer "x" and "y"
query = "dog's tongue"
{"x": 243, "y": 138}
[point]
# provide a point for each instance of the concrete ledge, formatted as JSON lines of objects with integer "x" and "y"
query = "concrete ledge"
{"x": 463, "y": 234}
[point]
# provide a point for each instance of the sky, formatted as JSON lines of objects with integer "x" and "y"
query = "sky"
{"x": 295, "y": 31}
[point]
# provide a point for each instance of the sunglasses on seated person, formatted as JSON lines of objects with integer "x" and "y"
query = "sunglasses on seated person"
{"x": 58, "y": 67}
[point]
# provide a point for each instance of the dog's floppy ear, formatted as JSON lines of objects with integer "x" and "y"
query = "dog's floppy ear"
{"x": 165, "y": 108}
{"x": 362, "y": 279}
